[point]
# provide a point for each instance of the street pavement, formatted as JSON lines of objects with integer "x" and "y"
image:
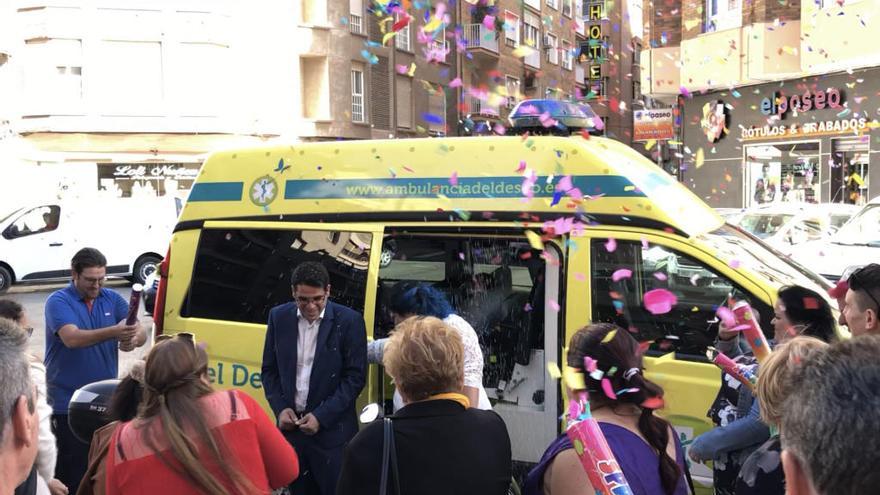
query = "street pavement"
{"x": 33, "y": 298}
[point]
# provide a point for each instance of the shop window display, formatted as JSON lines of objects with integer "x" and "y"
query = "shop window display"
{"x": 782, "y": 173}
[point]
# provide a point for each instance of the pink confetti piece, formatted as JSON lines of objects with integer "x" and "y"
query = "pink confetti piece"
{"x": 653, "y": 403}
{"x": 576, "y": 194}
{"x": 522, "y": 167}
{"x": 644, "y": 243}
{"x": 489, "y": 22}
{"x": 455, "y": 83}
{"x": 734, "y": 264}
{"x": 453, "y": 179}
{"x": 621, "y": 274}
{"x": 564, "y": 184}
{"x": 402, "y": 69}
{"x": 580, "y": 277}
{"x": 609, "y": 391}
{"x": 590, "y": 364}
{"x": 726, "y": 316}
{"x": 661, "y": 276}
{"x": 554, "y": 305}
{"x": 659, "y": 301}
{"x": 611, "y": 245}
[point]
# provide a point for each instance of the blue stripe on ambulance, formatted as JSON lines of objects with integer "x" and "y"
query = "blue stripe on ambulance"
{"x": 216, "y": 191}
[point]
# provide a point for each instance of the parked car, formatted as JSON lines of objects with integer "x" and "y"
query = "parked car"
{"x": 557, "y": 117}
{"x": 37, "y": 241}
{"x": 857, "y": 242}
{"x": 786, "y": 225}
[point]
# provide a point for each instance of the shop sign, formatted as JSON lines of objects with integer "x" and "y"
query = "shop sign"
{"x": 714, "y": 121}
{"x": 841, "y": 126}
{"x": 176, "y": 171}
{"x": 593, "y": 50}
{"x": 779, "y": 105}
{"x": 656, "y": 124}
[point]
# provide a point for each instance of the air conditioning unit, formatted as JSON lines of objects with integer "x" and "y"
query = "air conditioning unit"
{"x": 546, "y": 41}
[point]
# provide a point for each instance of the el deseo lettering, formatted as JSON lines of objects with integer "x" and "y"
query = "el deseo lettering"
{"x": 779, "y": 105}
{"x": 241, "y": 375}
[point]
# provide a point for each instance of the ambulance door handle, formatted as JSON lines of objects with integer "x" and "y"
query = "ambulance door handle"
{"x": 55, "y": 244}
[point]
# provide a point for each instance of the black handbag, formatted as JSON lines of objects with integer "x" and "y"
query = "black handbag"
{"x": 389, "y": 460}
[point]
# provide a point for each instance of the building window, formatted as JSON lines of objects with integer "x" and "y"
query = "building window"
{"x": 119, "y": 92}
{"x": 401, "y": 41}
{"x": 552, "y": 49}
{"x": 437, "y": 107}
{"x": 553, "y": 4}
{"x": 403, "y": 102}
{"x": 511, "y": 83}
{"x": 511, "y": 29}
{"x": 356, "y": 16}
{"x": 567, "y": 56}
{"x": 567, "y": 8}
{"x": 722, "y": 14}
{"x": 358, "y": 108}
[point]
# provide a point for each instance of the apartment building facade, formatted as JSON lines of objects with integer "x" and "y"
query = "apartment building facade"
{"x": 125, "y": 98}
{"x": 778, "y": 99}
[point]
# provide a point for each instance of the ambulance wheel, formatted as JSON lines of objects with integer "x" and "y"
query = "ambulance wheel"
{"x": 5, "y": 280}
{"x": 143, "y": 267}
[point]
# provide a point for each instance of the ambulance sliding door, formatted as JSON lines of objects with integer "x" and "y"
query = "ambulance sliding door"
{"x": 508, "y": 293}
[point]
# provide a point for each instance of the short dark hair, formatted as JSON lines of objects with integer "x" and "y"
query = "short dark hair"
{"x": 831, "y": 422}
{"x": 311, "y": 273}
{"x": 867, "y": 280}
{"x": 11, "y": 309}
{"x": 87, "y": 258}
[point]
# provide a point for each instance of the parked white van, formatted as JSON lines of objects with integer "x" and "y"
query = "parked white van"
{"x": 38, "y": 240}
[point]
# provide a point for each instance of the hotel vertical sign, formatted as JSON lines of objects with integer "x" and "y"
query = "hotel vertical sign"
{"x": 593, "y": 51}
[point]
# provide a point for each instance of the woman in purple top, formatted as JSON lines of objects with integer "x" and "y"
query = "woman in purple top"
{"x": 645, "y": 446}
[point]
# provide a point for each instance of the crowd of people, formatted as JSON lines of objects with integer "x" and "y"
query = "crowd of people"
{"x": 808, "y": 426}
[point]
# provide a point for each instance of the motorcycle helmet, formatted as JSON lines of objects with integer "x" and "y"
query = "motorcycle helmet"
{"x": 88, "y": 408}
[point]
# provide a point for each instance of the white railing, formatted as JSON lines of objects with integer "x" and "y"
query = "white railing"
{"x": 478, "y": 36}
{"x": 533, "y": 59}
{"x": 579, "y": 74}
{"x": 476, "y": 106}
{"x": 356, "y": 23}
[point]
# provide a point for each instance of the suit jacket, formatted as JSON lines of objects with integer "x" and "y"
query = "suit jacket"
{"x": 442, "y": 448}
{"x": 338, "y": 371}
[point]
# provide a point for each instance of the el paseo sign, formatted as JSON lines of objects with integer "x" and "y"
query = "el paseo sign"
{"x": 779, "y": 106}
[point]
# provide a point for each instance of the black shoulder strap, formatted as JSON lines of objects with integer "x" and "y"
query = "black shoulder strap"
{"x": 389, "y": 459}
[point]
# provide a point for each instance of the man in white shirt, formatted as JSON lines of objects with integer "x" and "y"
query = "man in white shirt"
{"x": 314, "y": 367}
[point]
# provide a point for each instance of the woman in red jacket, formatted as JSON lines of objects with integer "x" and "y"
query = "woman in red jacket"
{"x": 189, "y": 439}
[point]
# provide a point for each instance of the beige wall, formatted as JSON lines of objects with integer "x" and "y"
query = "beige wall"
{"x": 773, "y": 50}
{"x": 661, "y": 72}
{"x": 839, "y": 41}
{"x": 315, "y": 89}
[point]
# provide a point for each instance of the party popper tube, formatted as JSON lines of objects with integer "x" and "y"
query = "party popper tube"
{"x": 593, "y": 451}
{"x": 752, "y": 331}
{"x": 134, "y": 303}
{"x": 745, "y": 376}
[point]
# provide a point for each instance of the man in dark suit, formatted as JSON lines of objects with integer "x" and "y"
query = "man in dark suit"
{"x": 314, "y": 367}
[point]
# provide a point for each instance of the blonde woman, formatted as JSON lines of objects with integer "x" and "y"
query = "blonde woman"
{"x": 442, "y": 445}
{"x": 761, "y": 472}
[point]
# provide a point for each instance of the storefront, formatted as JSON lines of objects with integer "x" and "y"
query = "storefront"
{"x": 133, "y": 180}
{"x": 811, "y": 139}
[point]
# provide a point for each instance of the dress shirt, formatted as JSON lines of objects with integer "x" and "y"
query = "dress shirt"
{"x": 306, "y": 341}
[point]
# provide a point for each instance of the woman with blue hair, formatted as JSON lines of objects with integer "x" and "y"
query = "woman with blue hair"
{"x": 408, "y": 299}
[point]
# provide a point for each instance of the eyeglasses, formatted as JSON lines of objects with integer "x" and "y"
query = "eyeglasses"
{"x": 181, "y": 335}
{"x": 863, "y": 285}
{"x": 29, "y": 330}
{"x": 305, "y": 301}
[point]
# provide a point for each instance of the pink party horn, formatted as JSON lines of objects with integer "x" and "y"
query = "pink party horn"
{"x": 746, "y": 377}
{"x": 752, "y": 332}
{"x": 592, "y": 449}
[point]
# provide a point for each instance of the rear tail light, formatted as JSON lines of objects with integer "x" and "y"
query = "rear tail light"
{"x": 159, "y": 308}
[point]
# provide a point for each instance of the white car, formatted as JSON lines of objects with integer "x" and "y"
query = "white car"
{"x": 784, "y": 226}
{"x": 856, "y": 243}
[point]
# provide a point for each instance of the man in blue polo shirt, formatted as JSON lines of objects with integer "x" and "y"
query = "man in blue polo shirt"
{"x": 85, "y": 323}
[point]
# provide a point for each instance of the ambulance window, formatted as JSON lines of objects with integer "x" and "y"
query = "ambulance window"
{"x": 691, "y": 326}
{"x": 501, "y": 287}
{"x": 240, "y": 274}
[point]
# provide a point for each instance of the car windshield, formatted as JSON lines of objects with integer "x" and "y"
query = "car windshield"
{"x": 863, "y": 228}
{"x": 764, "y": 225}
{"x": 741, "y": 250}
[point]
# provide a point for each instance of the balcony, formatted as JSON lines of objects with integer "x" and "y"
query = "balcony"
{"x": 533, "y": 59}
{"x": 715, "y": 60}
{"x": 481, "y": 42}
{"x": 475, "y": 106}
{"x": 660, "y": 73}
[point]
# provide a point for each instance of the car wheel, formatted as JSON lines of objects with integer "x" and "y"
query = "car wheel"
{"x": 5, "y": 280}
{"x": 144, "y": 266}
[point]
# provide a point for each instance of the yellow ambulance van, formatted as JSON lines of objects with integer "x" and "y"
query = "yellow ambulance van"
{"x": 524, "y": 235}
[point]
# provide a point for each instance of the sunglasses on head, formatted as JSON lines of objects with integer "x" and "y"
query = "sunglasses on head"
{"x": 180, "y": 335}
{"x": 862, "y": 284}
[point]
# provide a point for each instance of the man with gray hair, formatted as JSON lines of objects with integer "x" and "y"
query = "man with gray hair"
{"x": 831, "y": 429}
{"x": 18, "y": 412}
